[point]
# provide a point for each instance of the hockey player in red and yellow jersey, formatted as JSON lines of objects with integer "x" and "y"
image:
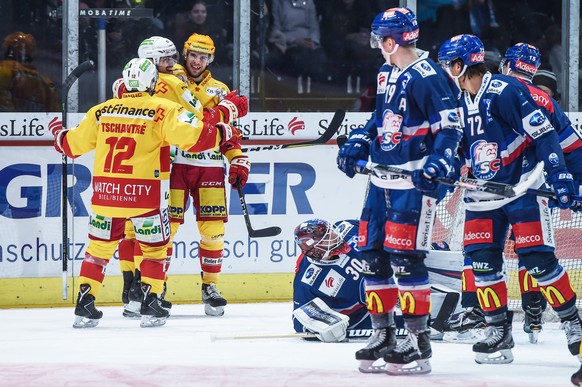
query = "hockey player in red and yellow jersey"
{"x": 201, "y": 174}
{"x": 131, "y": 138}
{"x": 162, "y": 52}
{"x": 22, "y": 87}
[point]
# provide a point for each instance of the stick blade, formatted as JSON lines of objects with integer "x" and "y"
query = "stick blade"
{"x": 265, "y": 232}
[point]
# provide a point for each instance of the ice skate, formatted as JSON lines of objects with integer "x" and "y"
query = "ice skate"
{"x": 533, "y": 323}
{"x": 133, "y": 308}
{"x": 471, "y": 336}
{"x": 381, "y": 342}
{"x": 152, "y": 312}
{"x": 213, "y": 301}
{"x": 86, "y": 315}
{"x": 469, "y": 318}
{"x": 573, "y": 328}
{"x": 496, "y": 347}
{"x": 410, "y": 357}
{"x": 576, "y": 378}
{"x": 167, "y": 305}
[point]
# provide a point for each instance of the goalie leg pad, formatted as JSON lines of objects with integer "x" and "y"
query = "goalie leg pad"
{"x": 328, "y": 325}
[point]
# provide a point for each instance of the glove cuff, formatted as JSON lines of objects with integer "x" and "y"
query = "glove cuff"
{"x": 229, "y": 110}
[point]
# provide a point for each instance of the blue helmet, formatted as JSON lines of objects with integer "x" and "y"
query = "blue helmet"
{"x": 466, "y": 47}
{"x": 522, "y": 58}
{"x": 398, "y": 23}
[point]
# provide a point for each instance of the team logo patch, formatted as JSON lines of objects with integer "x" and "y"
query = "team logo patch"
{"x": 484, "y": 159}
{"x": 390, "y": 135}
{"x": 332, "y": 283}
{"x": 311, "y": 274}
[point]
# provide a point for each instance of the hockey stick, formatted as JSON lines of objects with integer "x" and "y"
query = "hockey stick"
{"x": 261, "y": 233}
{"x": 69, "y": 81}
{"x": 379, "y": 170}
{"x": 502, "y": 189}
{"x": 329, "y": 132}
{"x": 265, "y": 336}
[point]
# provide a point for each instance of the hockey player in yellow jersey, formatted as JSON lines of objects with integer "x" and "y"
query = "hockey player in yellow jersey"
{"x": 131, "y": 137}
{"x": 22, "y": 87}
{"x": 162, "y": 52}
{"x": 201, "y": 175}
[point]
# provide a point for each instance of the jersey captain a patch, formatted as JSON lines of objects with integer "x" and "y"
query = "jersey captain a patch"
{"x": 311, "y": 274}
{"x": 332, "y": 283}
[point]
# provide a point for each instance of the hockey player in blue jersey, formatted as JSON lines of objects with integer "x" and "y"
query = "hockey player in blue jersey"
{"x": 522, "y": 62}
{"x": 508, "y": 139}
{"x": 415, "y": 126}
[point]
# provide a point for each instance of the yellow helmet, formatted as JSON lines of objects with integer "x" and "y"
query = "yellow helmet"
{"x": 19, "y": 46}
{"x": 200, "y": 43}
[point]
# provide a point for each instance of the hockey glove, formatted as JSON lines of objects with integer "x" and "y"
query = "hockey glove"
{"x": 233, "y": 106}
{"x": 118, "y": 88}
{"x": 238, "y": 174}
{"x": 328, "y": 325}
{"x": 356, "y": 148}
{"x": 56, "y": 128}
{"x": 228, "y": 133}
{"x": 563, "y": 186}
{"x": 424, "y": 179}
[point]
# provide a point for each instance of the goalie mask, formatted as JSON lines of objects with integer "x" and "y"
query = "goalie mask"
{"x": 140, "y": 74}
{"x": 522, "y": 58}
{"x": 319, "y": 240}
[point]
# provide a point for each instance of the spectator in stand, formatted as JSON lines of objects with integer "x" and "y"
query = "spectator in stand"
{"x": 345, "y": 36}
{"x": 547, "y": 81}
{"x": 295, "y": 32}
{"x": 22, "y": 87}
{"x": 196, "y": 20}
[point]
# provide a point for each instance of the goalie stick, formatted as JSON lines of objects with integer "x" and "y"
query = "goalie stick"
{"x": 263, "y": 336}
{"x": 260, "y": 233}
{"x": 69, "y": 81}
{"x": 327, "y": 135}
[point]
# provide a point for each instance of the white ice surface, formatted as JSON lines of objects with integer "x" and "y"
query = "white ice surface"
{"x": 39, "y": 347}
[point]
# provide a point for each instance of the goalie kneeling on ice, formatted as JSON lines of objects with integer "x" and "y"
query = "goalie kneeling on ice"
{"x": 328, "y": 325}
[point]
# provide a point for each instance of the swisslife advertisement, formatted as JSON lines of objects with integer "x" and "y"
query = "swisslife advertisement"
{"x": 285, "y": 187}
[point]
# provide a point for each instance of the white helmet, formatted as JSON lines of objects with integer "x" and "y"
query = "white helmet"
{"x": 157, "y": 47}
{"x": 140, "y": 74}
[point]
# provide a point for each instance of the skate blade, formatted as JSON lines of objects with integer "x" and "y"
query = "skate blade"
{"x": 368, "y": 366}
{"x": 85, "y": 322}
{"x": 152, "y": 321}
{"x": 132, "y": 309}
{"x": 417, "y": 367}
{"x": 503, "y": 356}
{"x": 533, "y": 337}
{"x": 216, "y": 311}
{"x": 470, "y": 337}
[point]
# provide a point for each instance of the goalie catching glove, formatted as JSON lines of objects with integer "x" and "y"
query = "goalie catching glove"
{"x": 328, "y": 325}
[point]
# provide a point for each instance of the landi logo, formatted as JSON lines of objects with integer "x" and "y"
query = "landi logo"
{"x": 295, "y": 124}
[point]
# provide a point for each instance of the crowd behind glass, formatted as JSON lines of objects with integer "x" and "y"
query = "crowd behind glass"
{"x": 306, "y": 55}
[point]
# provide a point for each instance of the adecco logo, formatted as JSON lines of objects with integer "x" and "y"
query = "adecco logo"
{"x": 483, "y": 235}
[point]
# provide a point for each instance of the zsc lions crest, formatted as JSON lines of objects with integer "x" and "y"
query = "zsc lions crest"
{"x": 484, "y": 159}
{"x": 391, "y": 135}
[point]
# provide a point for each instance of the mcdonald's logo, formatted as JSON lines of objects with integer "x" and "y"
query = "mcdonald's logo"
{"x": 528, "y": 283}
{"x": 548, "y": 291}
{"x": 407, "y": 307}
{"x": 484, "y": 294}
{"x": 374, "y": 302}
